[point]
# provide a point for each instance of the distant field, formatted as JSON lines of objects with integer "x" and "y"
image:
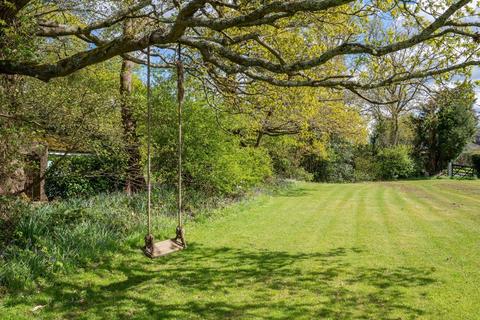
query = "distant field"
{"x": 394, "y": 250}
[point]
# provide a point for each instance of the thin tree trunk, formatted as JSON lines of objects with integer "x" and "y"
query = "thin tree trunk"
{"x": 395, "y": 130}
{"x": 135, "y": 181}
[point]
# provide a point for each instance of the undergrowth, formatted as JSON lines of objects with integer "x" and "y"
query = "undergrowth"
{"x": 39, "y": 241}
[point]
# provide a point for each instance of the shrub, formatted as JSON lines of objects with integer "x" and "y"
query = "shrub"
{"x": 394, "y": 163}
{"x": 232, "y": 170}
{"x": 84, "y": 176}
{"x": 10, "y": 210}
{"x": 214, "y": 160}
{"x": 366, "y": 167}
{"x": 337, "y": 166}
{"x": 286, "y": 158}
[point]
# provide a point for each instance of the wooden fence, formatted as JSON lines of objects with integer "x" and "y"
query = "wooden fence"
{"x": 461, "y": 171}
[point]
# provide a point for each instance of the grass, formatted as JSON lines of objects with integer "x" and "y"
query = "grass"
{"x": 397, "y": 250}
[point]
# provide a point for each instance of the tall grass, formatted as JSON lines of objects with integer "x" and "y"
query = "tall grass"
{"x": 41, "y": 241}
{"x": 58, "y": 237}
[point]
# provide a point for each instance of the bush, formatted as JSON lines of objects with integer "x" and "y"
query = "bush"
{"x": 476, "y": 163}
{"x": 337, "y": 166}
{"x": 366, "y": 167}
{"x": 234, "y": 171}
{"x": 84, "y": 176}
{"x": 10, "y": 210}
{"x": 286, "y": 158}
{"x": 214, "y": 160}
{"x": 394, "y": 163}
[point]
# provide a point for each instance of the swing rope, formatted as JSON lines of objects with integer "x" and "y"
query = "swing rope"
{"x": 149, "y": 164}
{"x": 180, "y": 236}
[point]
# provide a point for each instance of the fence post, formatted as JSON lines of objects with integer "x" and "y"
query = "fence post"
{"x": 450, "y": 169}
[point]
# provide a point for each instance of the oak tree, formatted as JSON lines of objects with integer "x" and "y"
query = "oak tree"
{"x": 221, "y": 33}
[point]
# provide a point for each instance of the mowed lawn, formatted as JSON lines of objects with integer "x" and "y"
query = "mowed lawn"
{"x": 394, "y": 250}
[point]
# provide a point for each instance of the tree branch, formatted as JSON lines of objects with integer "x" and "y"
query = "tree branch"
{"x": 53, "y": 29}
{"x": 219, "y": 52}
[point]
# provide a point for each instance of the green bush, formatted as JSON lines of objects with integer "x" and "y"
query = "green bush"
{"x": 366, "y": 167}
{"x": 232, "y": 171}
{"x": 444, "y": 126}
{"x": 338, "y": 166}
{"x": 476, "y": 163}
{"x": 214, "y": 160}
{"x": 286, "y": 158}
{"x": 394, "y": 163}
{"x": 11, "y": 209}
{"x": 84, "y": 176}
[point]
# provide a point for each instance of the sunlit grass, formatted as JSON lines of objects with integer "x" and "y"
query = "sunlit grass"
{"x": 398, "y": 250}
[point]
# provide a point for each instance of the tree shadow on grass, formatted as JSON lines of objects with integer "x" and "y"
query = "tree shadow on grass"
{"x": 230, "y": 283}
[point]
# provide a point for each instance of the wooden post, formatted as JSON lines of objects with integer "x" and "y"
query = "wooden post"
{"x": 450, "y": 169}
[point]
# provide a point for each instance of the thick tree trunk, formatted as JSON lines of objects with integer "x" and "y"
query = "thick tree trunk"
{"x": 135, "y": 181}
{"x": 12, "y": 174}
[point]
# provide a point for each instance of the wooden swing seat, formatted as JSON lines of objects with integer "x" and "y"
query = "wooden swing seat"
{"x": 163, "y": 248}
